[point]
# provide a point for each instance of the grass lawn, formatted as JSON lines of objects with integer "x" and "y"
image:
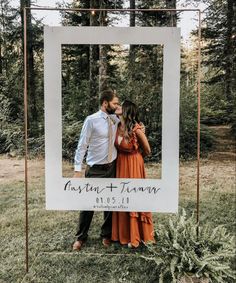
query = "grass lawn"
{"x": 51, "y": 233}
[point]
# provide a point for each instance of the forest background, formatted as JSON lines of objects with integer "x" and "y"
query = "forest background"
{"x": 135, "y": 72}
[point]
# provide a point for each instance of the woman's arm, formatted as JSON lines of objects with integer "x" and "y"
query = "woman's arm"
{"x": 143, "y": 141}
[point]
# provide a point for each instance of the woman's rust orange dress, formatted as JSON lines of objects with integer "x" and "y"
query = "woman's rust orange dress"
{"x": 131, "y": 227}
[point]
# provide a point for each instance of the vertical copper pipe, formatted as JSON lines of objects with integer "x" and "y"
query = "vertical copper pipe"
{"x": 198, "y": 115}
{"x": 26, "y": 144}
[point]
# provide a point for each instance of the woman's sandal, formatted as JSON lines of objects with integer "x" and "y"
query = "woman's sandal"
{"x": 130, "y": 246}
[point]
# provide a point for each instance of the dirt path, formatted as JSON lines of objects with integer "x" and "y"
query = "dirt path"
{"x": 12, "y": 169}
{"x": 225, "y": 145}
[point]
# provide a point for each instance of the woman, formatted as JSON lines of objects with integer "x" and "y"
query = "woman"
{"x": 131, "y": 228}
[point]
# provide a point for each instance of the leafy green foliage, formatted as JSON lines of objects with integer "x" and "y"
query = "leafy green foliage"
{"x": 181, "y": 250}
{"x": 142, "y": 84}
{"x": 188, "y": 130}
{"x": 11, "y": 136}
{"x": 135, "y": 74}
{"x": 70, "y": 139}
{"x": 218, "y": 33}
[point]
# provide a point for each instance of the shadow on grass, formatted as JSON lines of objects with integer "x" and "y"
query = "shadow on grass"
{"x": 83, "y": 267}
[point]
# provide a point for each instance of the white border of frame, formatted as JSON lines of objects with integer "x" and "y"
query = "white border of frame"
{"x": 96, "y": 194}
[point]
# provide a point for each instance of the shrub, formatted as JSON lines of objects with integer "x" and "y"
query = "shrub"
{"x": 70, "y": 139}
{"x": 180, "y": 251}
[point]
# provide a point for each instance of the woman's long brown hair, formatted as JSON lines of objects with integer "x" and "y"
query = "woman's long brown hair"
{"x": 130, "y": 116}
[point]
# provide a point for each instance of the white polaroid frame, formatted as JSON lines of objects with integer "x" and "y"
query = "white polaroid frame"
{"x": 154, "y": 195}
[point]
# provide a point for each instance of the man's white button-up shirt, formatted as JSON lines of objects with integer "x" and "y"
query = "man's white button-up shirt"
{"x": 94, "y": 139}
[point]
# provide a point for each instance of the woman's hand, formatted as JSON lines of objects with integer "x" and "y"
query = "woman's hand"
{"x": 143, "y": 129}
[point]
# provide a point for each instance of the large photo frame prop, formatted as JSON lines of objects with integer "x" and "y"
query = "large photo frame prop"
{"x": 160, "y": 195}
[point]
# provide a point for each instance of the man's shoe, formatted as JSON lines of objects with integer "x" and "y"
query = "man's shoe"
{"x": 78, "y": 245}
{"x": 106, "y": 242}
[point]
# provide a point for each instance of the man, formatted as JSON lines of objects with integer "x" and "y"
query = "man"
{"x": 97, "y": 139}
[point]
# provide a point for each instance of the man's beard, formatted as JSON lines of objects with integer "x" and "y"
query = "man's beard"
{"x": 110, "y": 110}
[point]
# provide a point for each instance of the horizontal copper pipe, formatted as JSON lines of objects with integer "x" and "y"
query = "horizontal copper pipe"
{"x": 112, "y": 10}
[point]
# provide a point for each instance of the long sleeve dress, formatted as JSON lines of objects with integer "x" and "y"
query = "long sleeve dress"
{"x": 131, "y": 227}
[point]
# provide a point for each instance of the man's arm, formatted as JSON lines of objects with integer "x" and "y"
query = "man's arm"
{"x": 143, "y": 141}
{"x": 82, "y": 147}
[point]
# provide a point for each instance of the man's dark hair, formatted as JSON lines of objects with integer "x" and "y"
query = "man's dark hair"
{"x": 107, "y": 95}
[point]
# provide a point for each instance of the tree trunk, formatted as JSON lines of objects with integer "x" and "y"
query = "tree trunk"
{"x": 33, "y": 111}
{"x": 171, "y": 16}
{"x": 132, "y": 14}
{"x": 1, "y": 41}
{"x": 102, "y": 68}
{"x": 229, "y": 54}
{"x": 132, "y": 47}
{"x": 102, "y": 57}
{"x": 1, "y": 67}
{"x": 93, "y": 70}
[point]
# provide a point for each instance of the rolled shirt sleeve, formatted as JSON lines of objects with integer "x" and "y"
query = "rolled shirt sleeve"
{"x": 82, "y": 144}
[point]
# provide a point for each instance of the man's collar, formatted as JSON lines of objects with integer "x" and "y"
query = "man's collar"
{"x": 106, "y": 115}
{"x": 103, "y": 114}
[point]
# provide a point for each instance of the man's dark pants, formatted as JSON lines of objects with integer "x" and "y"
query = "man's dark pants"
{"x": 96, "y": 171}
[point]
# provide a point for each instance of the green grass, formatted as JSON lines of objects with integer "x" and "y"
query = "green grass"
{"x": 90, "y": 268}
{"x": 51, "y": 233}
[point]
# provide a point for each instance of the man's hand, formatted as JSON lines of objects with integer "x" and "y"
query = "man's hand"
{"x": 78, "y": 174}
{"x": 143, "y": 129}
